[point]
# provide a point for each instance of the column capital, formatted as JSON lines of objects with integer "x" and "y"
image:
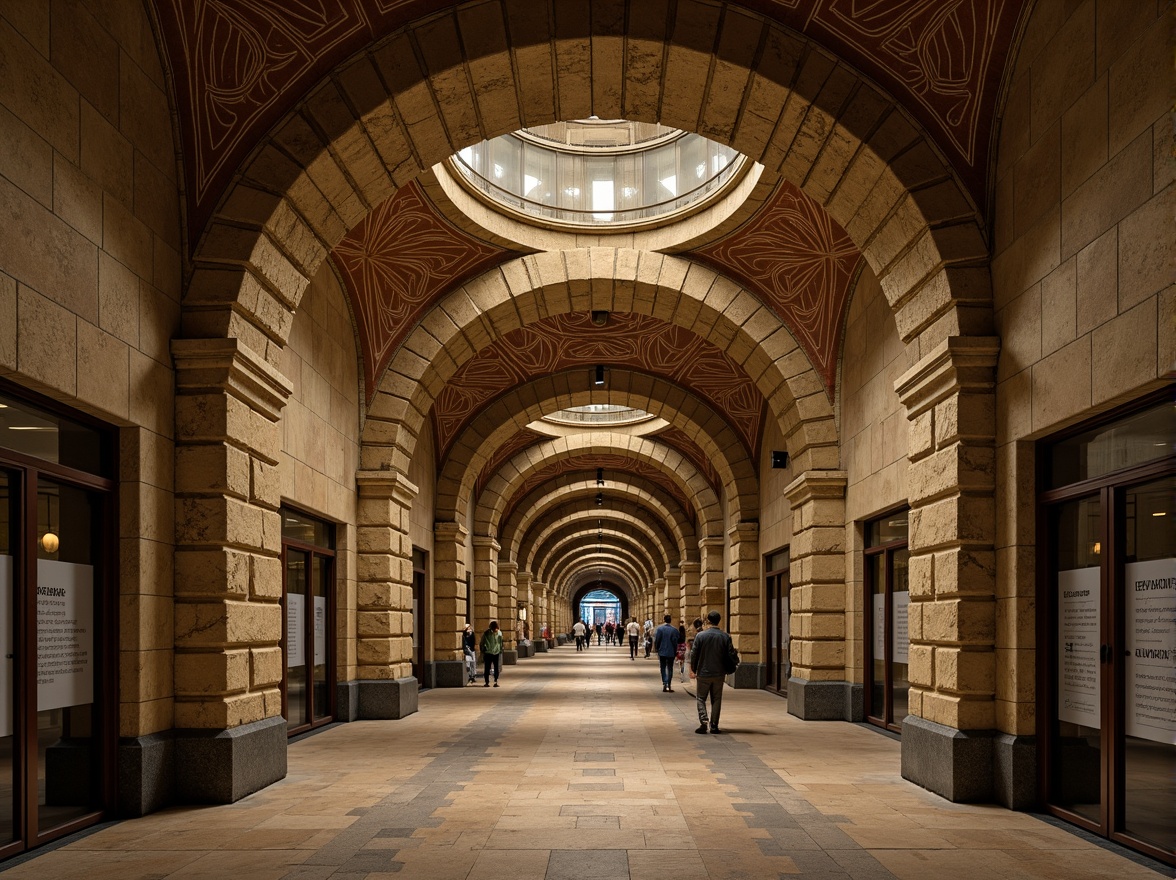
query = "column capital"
{"x": 743, "y": 531}
{"x": 815, "y": 484}
{"x": 386, "y": 484}
{"x": 710, "y": 543}
{"x": 959, "y": 363}
{"x": 691, "y": 567}
{"x": 510, "y": 568}
{"x": 230, "y": 366}
{"x": 450, "y": 531}
{"x": 487, "y": 541}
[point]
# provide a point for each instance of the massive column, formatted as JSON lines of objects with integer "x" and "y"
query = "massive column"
{"x": 444, "y": 666}
{"x": 745, "y": 622}
{"x": 713, "y": 574}
{"x": 485, "y": 582}
{"x": 523, "y": 602}
{"x": 659, "y": 600}
{"x": 385, "y": 687}
{"x": 947, "y": 742}
{"x": 673, "y": 601}
{"x": 818, "y": 688}
{"x": 231, "y": 737}
{"x": 503, "y": 608}
{"x": 691, "y": 591}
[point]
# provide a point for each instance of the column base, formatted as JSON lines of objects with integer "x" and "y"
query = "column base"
{"x": 347, "y": 701}
{"x": 510, "y": 658}
{"x": 146, "y": 778}
{"x": 388, "y": 700}
{"x": 540, "y": 646}
{"x": 825, "y": 700}
{"x": 749, "y": 675}
{"x": 954, "y": 764}
{"x": 561, "y": 640}
{"x": 525, "y": 651}
{"x": 1014, "y": 771}
{"x": 223, "y": 766}
{"x": 449, "y": 673}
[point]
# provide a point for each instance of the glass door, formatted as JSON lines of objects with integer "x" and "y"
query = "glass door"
{"x": 887, "y": 590}
{"x": 777, "y": 584}
{"x": 58, "y": 694}
{"x": 308, "y": 598}
{"x": 1108, "y": 510}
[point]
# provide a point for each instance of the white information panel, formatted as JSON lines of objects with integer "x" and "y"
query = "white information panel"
{"x": 1078, "y": 646}
{"x": 320, "y": 630}
{"x": 1151, "y": 650}
{"x": 900, "y": 602}
{"x": 879, "y": 627}
{"x": 65, "y": 634}
{"x": 6, "y": 689}
{"x": 295, "y": 629}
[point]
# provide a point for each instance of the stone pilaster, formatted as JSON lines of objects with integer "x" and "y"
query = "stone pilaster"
{"x": 510, "y": 616}
{"x": 228, "y": 570}
{"x": 503, "y": 608}
{"x": 950, "y": 401}
{"x": 673, "y": 603}
{"x": 449, "y": 589}
{"x": 659, "y": 600}
{"x": 691, "y": 587}
{"x": 712, "y": 577}
{"x": 384, "y": 595}
{"x": 485, "y": 582}
{"x": 745, "y": 624}
{"x": 818, "y": 689}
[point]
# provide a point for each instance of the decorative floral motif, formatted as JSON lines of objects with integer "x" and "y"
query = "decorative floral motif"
{"x": 240, "y": 65}
{"x": 638, "y": 342}
{"x": 516, "y": 444}
{"x": 796, "y": 258}
{"x": 589, "y": 463}
{"x": 676, "y": 438}
{"x": 397, "y": 263}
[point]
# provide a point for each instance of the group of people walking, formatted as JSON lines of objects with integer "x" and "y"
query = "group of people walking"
{"x": 707, "y": 651}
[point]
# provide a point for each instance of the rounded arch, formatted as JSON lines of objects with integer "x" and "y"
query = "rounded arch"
{"x": 582, "y": 529}
{"x": 619, "y": 562}
{"x": 586, "y": 546}
{"x": 569, "y": 498}
{"x": 576, "y": 597}
{"x": 474, "y": 448}
{"x": 514, "y": 474}
{"x": 395, "y": 109}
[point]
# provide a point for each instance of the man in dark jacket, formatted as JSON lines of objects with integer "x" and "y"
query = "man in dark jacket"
{"x": 707, "y": 659}
{"x": 665, "y": 642}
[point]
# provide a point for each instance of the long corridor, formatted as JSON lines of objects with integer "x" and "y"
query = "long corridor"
{"x": 578, "y": 766}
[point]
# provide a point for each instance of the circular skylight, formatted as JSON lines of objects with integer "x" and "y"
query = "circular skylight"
{"x": 596, "y": 172}
{"x": 599, "y": 414}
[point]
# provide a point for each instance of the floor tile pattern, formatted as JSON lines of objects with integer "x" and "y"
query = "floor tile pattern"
{"x": 580, "y": 767}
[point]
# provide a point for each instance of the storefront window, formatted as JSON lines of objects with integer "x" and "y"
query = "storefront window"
{"x": 309, "y": 596}
{"x": 887, "y": 681}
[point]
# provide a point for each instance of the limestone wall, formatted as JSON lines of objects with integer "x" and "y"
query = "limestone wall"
{"x": 320, "y": 434}
{"x": 1082, "y": 272}
{"x": 775, "y": 511}
{"x": 90, "y": 279}
{"x": 874, "y": 437}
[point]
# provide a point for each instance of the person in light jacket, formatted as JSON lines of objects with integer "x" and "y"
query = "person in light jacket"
{"x": 491, "y": 647}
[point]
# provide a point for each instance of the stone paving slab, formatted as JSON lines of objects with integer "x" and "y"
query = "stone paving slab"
{"x": 580, "y": 767}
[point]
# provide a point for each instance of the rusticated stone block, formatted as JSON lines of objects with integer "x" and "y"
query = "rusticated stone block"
{"x": 959, "y": 622}
{"x": 208, "y": 674}
{"x": 961, "y": 571}
{"x": 965, "y": 672}
{"x": 266, "y": 666}
{"x": 220, "y": 572}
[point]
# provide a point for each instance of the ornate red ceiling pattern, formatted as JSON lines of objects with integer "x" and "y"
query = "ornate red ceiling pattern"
{"x": 800, "y": 263}
{"x": 397, "y": 263}
{"x": 516, "y": 444}
{"x": 638, "y": 342}
{"x": 610, "y": 463}
{"x": 240, "y": 65}
{"x": 677, "y": 439}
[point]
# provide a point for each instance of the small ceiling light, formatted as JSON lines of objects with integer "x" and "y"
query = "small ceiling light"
{"x": 779, "y": 459}
{"x": 599, "y": 499}
{"x": 599, "y": 317}
{"x": 598, "y": 376}
{"x": 50, "y": 542}
{"x": 1160, "y": 513}
{"x": 600, "y": 476}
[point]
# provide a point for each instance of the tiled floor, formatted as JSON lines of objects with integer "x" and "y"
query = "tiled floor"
{"x": 580, "y": 767}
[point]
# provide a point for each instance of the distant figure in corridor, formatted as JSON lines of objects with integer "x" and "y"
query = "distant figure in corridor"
{"x": 648, "y": 636}
{"x": 633, "y": 631}
{"x": 608, "y": 633}
{"x": 469, "y": 645}
{"x": 491, "y": 647}
{"x": 599, "y": 632}
{"x": 578, "y": 631}
{"x": 707, "y": 660}
{"x": 665, "y": 642}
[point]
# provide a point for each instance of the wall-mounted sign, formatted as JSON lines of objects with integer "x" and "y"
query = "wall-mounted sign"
{"x": 1151, "y": 650}
{"x": 1078, "y": 646}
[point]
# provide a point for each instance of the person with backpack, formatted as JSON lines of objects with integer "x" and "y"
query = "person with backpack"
{"x": 491, "y": 647}
{"x": 712, "y": 658}
{"x": 665, "y": 642}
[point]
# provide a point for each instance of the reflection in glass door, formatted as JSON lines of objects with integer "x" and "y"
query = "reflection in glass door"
{"x": 777, "y": 585}
{"x": 1108, "y": 629}
{"x": 887, "y": 644}
{"x": 308, "y": 597}
{"x": 9, "y": 710}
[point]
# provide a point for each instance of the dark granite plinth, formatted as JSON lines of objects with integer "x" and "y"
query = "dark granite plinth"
{"x": 449, "y": 673}
{"x": 825, "y": 700}
{"x": 146, "y": 778}
{"x": 510, "y": 658}
{"x": 955, "y": 764}
{"x": 347, "y": 701}
{"x": 749, "y": 675}
{"x": 1014, "y": 772}
{"x": 386, "y": 700}
{"x": 223, "y": 766}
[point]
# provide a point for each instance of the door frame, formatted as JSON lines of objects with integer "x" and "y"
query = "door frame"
{"x": 886, "y": 550}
